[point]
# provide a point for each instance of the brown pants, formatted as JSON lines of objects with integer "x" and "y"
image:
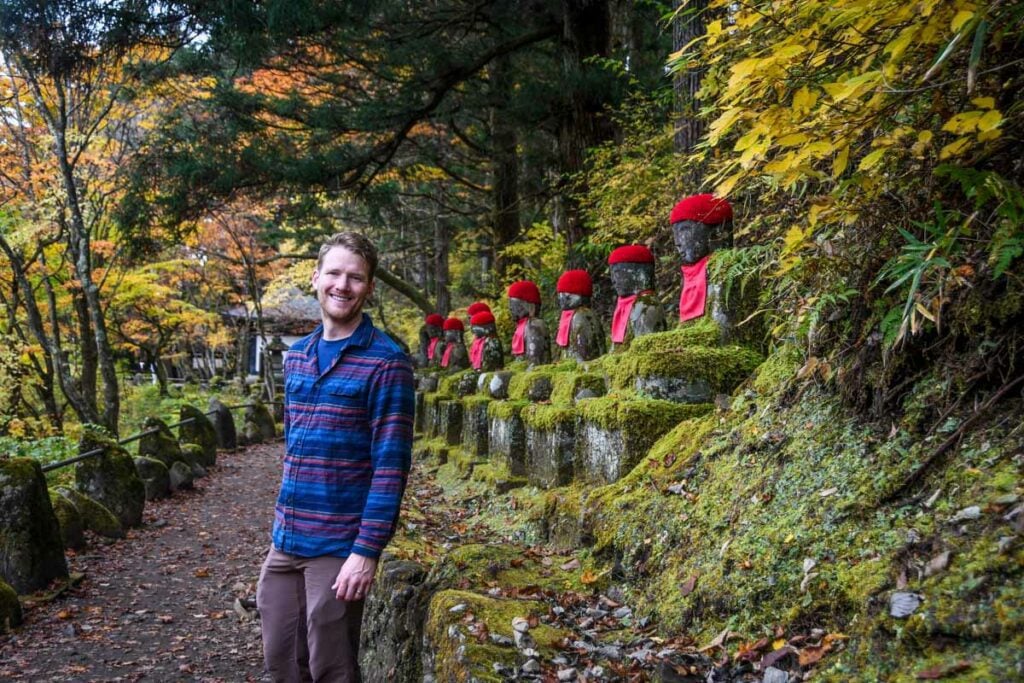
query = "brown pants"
{"x": 308, "y": 634}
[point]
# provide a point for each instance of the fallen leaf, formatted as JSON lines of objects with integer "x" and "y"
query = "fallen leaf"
{"x": 571, "y": 565}
{"x": 588, "y": 577}
{"x": 688, "y": 585}
{"x": 812, "y": 654}
{"x": 941, "y": 671}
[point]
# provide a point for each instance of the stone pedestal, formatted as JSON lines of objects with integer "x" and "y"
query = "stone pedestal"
{"x": 475, "y": 425}
{"x": 550, "y": 445}
{"x": 507, "y": 435}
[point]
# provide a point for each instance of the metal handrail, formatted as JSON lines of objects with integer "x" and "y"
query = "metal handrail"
{"x": 49, "y": 467}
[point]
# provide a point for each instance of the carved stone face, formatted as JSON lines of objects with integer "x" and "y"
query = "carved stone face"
{"x": 488, "y": 330}
{"x": 695, "y": 240}
{"x": 453, "y": 336}
{"x": 432, "y": 331}
{"x": 521, "y": 309}
{"x": 630, "y": 278}
{"x": 568, "y": 301}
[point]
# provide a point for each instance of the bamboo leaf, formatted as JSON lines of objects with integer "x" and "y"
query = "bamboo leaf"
{"x": 972, "y": 63}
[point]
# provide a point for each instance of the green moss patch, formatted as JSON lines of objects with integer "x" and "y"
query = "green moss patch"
{"x": 566, "y": 385}
{"x": 10, "y": 608}
{"x": 95, "y": 517}
{"x": 547, "y": 417}
{"x": 497, "y": 477}
{"x": 638, "y": 417}
{"x": 506, "y": 410}
{"x": 722, "y": 368}
{"x": 700, "y": 332}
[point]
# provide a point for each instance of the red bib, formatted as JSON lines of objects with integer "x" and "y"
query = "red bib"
{"x": 446, "y": 356}
{"x": 695, "y": 290}
{"x": 620, "y": 319}
{"x": 476, "y": 352}
{"x": 432, "y": 347}
{"x": 519, "y": 338}
{"x": 562, "y": 339}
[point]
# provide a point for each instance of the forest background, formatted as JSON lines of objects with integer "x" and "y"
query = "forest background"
{"x": 163, "y": 163}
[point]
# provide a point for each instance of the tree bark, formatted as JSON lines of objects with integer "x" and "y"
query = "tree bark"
{"x": 441, "y": 250}
{"x": 689, "y": 127}
{"x": 504, "y": 167}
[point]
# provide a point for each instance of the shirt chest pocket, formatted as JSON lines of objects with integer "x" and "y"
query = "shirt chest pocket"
{"x": 345, "y": 402}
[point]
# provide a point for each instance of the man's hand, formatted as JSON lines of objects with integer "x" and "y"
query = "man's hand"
{"x": 355, "y": 577}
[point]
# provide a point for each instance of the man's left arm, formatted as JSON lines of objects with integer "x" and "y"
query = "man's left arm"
{"x": 391, "y": 405}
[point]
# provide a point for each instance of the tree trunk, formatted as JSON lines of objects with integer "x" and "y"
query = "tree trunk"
{"x": 86, "y": 351}
{"x": 505, "y": 167}
{"x": 441, "y": 266}
{"x": 689, "y": 127}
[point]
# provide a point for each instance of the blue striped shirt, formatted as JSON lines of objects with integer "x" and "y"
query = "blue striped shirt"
{"x": 348, "y": 435}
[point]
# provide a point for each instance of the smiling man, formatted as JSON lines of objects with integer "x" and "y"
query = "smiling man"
{"x": 348, "y": 432}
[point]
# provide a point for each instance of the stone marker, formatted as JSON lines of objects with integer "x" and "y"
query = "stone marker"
{"x": 31, "y": 548}
{"x": 531, "y": 340}
{"x": 637, "y": 311}
{"x": 580, "y": 333}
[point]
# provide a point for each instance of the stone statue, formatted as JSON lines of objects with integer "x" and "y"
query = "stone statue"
{"x": 580, "y": 334}
{"x": 700, "y": 224}
{"x": 485, "y": 353}
{"x": 455, "y": 357}
{"x": 477, "y": 307}
{"x": 430, "y": 337}
{"x": 637, "y": 311}
{"x": 531, "y": 339}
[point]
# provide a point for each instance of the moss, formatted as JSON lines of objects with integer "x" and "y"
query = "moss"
{"x": 460, "y": 383}
{"x": 10, "y": 608}
{"x": 199, "y": 431}
{"x": 70, "y": 521}
{"x": 636, "y": 417}
{"x": 31, "y": 549}
{"x": 497, "y": 477}
{"x": 505, "y": 410}
{"x": 722, "y": 368}
{"x": 701, "y": 332}
{"x": 112, "y": 480}
{"x": 566, "y": 385}
{"x": 95, "y": 517}
{"x": 481, "y": 566}
{"x": 458, "y": 655}
{"x": 547, "y": 417}
{"x": 777, "y": 370}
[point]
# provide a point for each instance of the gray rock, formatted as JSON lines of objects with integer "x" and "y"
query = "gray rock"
{"x": 773, "y": 675}
{"x": 197, "y": 429}
{"x": 111, "y": 479}
{"x": 903, "y": 604}
{"x": 181, "y": 476}
{"x": 567, "y": 674}
{"x": 32, "y": 550}
{"x": 223, "y": 425}
{"x": 155, "y": 477}
{"x": 532, "y": 666}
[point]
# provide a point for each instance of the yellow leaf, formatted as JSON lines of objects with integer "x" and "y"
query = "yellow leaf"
{"x": 741, "y": 71}
{"x": 990, "y": 120}
{"x": 714, "y": 28}
{"x": 787, "y": 52}
{"x": 871, "y": 160}
{"x": 796, "y": 237}
{"x": 984, "y": 102}
{"x": 898, "y": 45}
{"x": 961, "y": 18}
{"x": 789, "y": 539}
{"x": 776, "y": 644}
{"x": 964, "y": 122}
{"x": 804, "y": 100}
{"x": 989, "y": 135}
{"x": 725, "y": 187}
{"x": 955, "y": 148}
{"x": 925, "y": 136}
{"x": 792, "y": 140}
{"x": 747, "y": 140}
{"x": 723, "y": 123}
{"x": 748, "y": 19}
{"x": 840, "y": 162}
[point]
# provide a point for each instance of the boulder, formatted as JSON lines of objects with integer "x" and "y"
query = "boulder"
{"x": 111, "y": 479}
{"x": 258, "y": 423}
{"x": 155, "y": 477}
{"x": 393, "y": 622}
{"x": 159, "y": 443}
{"x": 10, "y": 608}
{"x": 506, "y": 435}
{"x": 181, "y": 476}
{"x": 193, "y": 454}
{"x": 72, "y": 531}
{"x": 223, "y": 425}
{"x": 200, "y": 432}
{"x": 95, "y": 517}
{"x": 31, "y": 547}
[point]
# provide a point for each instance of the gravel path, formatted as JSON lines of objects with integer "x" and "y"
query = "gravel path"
{"x": 160, "y": 604}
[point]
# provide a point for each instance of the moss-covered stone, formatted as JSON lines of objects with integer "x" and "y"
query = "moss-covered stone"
{"x": 567, "y": 385}
{"x": 507, "y": 435}
{"x": 111, "y": 479}
{"x": 180, "y": 476}
{"x": 497, "y": 477}
{"x": 453, "y": 654}
{"x": 196, "y": 428}
{"x": 155, "y": 477}
{"x": 417, "y": 420}
{"x": 95, "y": 517}
{"x": 72, "y": 530}
{"x": 193, "y": 454}
{"x": 159, "y": 443}
{"x": 31, "y": 548}
{"x": 430, "y": 412}
{"x": 392, "y": 632}
{"x": 475, "y": 425}
{"x": 448, "y": 416}
{"x": 778, "y": 369}
{"x": 550, "y": 444}
{"x": 459, "y": 384}
{"x": 431, "y": 452}
{"x": 701, "y": 372}
{"x": 614, "y": 435}
{"x": 10, "y": 608}
{"x": 224, "y": 425}
{"x": 258, "y": 423}
{"x": 702, "y": 332}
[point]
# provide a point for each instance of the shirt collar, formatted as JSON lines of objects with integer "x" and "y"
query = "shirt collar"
{"x": 362, "y": 336}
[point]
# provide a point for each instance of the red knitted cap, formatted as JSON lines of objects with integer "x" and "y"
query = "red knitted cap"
{"x": 434, "y": 319}
{"x": 453, "y": 324}
{"x": 476, "y": 307}
{"x": 575, "y": 282}
{"x": 525, "y": 290}
{"x": 703, "y": 208}
{"x": 631, "y": 253}
{"x": 482, "y": 318}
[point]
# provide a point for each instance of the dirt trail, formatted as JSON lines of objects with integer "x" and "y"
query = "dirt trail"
{"x": 158, "y": 605}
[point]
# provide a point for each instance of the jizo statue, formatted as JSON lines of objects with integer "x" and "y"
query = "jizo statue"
{"x": 580, "y": 334}
{"x": 531, "y": 340}
{"x": 700, "y": 225}
{"x": 455, "y": 356}
{"x": 637, "y": 311}
{"x": 428, "y": 353}
{"x": 485, "y": 353}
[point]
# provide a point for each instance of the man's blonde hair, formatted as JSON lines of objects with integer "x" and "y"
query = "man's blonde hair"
{"x": 354, "y": 242}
